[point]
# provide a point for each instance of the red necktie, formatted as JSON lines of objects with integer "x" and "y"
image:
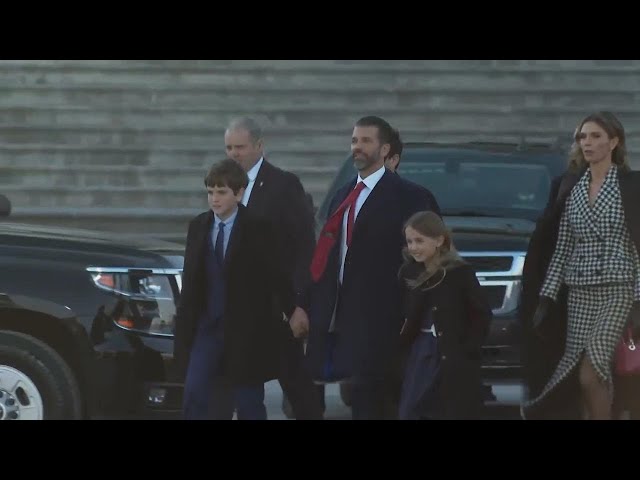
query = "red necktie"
{"x": 330, "y": 232}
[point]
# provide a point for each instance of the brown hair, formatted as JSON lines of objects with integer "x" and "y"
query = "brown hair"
{"x": 227, "y": 173}
{"x": 385, "y": 131}
{"x": 610, "y": 124}
{"x": 429, "y": 224}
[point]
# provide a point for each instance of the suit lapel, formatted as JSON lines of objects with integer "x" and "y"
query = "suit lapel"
{"x": 376, "y": 200}
{"x": 204, "y": 235}
{"x": 582, "y": 203}
{"x": 198, "y": 250}
{"x": 235, "y": 238}
{"x": 341, "y": 195}
{"x": 260, "y": 187}
{"x": 606, "y": 195}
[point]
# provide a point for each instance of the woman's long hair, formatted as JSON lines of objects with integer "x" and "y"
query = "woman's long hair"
{"x": 610, "y": 124}
{"x": 430, "y": 225}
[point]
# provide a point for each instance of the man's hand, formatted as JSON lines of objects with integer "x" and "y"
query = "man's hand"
{"x": 299, "y": 323}
{"x": 541, "y": 312}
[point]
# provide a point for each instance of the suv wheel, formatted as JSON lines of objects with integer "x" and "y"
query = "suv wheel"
{"x": 35, "y": 382}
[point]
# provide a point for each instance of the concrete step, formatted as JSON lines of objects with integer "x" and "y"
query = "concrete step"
{"x": 265, "y": 99}
{"x": 330, "y": 156}
{"x": 169, "y": 224}
{"x": 82, "y": 176}
{"x": 322, "y": 65}
{"x": 328, "y": 79}
{"x": 294, "y": 138}
{"x": 35, "y": 156}
{"x": 187, "y": 178}
{"x": 170, "y": 196}
{"x": 298, "y": 138}
{"x": 165, "y": 223}
{"x": 320, "y": 116}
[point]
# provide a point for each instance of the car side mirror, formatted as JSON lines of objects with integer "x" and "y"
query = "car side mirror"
{"x": 5, "y": 206}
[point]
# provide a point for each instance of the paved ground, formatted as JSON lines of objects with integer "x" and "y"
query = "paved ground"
{"x": 506, "y": 406}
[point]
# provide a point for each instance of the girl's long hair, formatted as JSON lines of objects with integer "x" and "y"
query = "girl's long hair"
{"x": 430, "y": 225}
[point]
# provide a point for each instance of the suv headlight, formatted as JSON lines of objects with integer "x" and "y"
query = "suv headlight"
{"x": 147, "y": 297}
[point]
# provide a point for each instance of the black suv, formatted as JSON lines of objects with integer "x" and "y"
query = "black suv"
{"x": 86, "y": 323}
{"x": 491, "y": 195}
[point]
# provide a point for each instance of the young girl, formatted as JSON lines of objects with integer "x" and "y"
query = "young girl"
{"x": 447, "y": 319}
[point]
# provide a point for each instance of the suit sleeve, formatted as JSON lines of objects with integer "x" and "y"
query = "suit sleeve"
{"x": 478, "y": 310}
{"x": 421, "y": 199}
{"x": 281, "y": 281}
{"x": 300, "y": 226}
{"x": 562, "y": 252}
{"x": 432, "y": 203}
{"x": 553, "y": 194}
{"x": 182, "y": 328}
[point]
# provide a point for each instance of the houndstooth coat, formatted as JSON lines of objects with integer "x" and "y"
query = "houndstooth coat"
{"x": 597, "y": 259}
{"x": 594, "y": 246}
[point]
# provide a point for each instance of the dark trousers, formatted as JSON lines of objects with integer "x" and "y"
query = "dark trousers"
{"x": 373, "y": 398}
{"x": 296, "y": 382}
{"x": 206, "y": 394}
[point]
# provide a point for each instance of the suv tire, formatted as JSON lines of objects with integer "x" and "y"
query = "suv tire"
{"x": 38, "y": 366}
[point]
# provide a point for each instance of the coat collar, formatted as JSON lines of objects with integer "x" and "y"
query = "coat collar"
{"x": 262, "y": 179}
{"x": 606, "y": 195}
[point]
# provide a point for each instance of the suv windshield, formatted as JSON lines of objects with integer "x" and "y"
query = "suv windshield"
{"x": 477, "y": 182}
{"x": 460, "y": 184}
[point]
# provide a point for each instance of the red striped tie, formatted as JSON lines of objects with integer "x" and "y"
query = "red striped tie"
{"x": 330, "y": 231}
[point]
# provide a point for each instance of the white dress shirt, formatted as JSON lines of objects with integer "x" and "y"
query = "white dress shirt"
{"x": 370, "y": 182}
{"x": 252, "y": 174}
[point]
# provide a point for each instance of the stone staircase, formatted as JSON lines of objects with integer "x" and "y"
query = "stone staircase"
{"x": 123, "y": 145}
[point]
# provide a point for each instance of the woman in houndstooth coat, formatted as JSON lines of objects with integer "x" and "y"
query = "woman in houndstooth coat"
{"x": 596, "y": 257}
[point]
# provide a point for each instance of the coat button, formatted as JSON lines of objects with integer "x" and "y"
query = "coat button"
{"x": 439, "y": 334}
{"x": 433, "y": 309}
{"x": 444, "y": 357}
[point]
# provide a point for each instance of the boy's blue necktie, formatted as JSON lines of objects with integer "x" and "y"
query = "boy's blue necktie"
{"x": 219, "y": 247}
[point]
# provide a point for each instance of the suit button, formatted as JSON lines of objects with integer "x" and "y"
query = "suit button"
{"x": 439, "y": 334}
{"x": 433, "y": 309}
{"x": 444, "y": 357}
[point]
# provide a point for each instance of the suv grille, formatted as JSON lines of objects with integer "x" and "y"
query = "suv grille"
{"x": 490, "y": 264}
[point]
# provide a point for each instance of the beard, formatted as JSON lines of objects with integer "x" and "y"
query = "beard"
{"x": 362, "y": 161}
